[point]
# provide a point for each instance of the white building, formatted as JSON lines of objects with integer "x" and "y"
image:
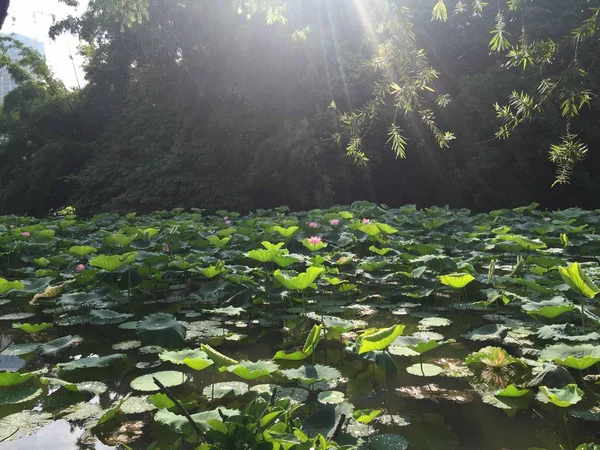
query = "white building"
{"x": 6, "y": 82}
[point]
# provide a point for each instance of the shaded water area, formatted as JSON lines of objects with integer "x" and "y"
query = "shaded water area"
{"x": 461, "y": 421}
{"x": 467, "y": 371}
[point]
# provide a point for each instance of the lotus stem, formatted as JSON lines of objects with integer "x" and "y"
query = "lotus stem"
{"x": 582, "y": 312}
{"x": 567, "y": 429}
{"x": 169, "y": 394}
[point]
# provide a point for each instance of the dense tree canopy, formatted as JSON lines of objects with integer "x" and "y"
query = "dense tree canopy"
{"x": 253, "y": 104}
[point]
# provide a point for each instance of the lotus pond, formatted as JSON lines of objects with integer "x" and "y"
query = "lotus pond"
{"x": 353, "y": 327}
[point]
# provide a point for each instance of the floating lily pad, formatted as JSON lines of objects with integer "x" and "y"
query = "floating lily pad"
{"x": 20, "y": 349}
{"x": 19, "y": 395}
{"x": 578, "y": 357}
{"x": 312, "y": 373}
{"x": 14, "y": 378}
{"x": 93, "y": 362}
{"x": 161, "y": 329}
{"x": 249, "y": 370}
{"x": 22, "y": 424}
{"x": 424, "y": 370}
{"x": 388, "y": 442}
{"x": 331, "y": 397}
{"x": 563, "y": 397}
{"x": 168, "y": 378}
{"x": 126, "y": 345}
{"x": 487, "y": 333}
{"x": 56, "y": 347}
{"x": 225, "y": 389}
{"x": 137, "y": 405}
{"x": 297, "y": 395}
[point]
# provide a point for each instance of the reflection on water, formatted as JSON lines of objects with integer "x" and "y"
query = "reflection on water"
{"x": 12, "y": 363}
{"x": 59, "y": 435}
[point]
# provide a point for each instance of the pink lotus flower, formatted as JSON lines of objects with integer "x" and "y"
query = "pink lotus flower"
{"x": 313, "y": 225}
{"x": 80, "y": 268}
{"x": 366, "y": 221}
{"x": 315, "y": 240}
{"x": 226, "y": 218}
{"x": 26, "y": 234}
{"x": 228, "y": 222}
{"x": 334, "y": 222}
{"x": 166, "y": 247}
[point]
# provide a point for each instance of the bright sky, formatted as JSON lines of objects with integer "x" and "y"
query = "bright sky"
{"x": 33, "y": 18}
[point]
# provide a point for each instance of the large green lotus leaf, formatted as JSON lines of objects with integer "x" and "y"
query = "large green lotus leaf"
{"x": 286, "y": 260}
{"x": 549, "y": 308}
{"x": 19, "y": 395}
{"x": 380, "y": 251}
{"x": 524, "y": 242}
{"x": 309, "y": 346}
{"x": 82, "y": 250}
{"x": 485, "y": 333}
{"x": 218, "y": 357}
{"x": 54, "y": 348}
{"x": 374, "y": 340}
{"x": 493, "y": 357}
{"x": 577, "y": 280}
{"x": 217, "y": 241}
{"x": 22, "y": 424}
{"x": 186, "y": 355}
{"x": 370, "y": 229}
{"x": 112, "y": 263}
{"x": 249, "y": 370}
{"x": 456, "y": 280}
{"x": 366, "y": 416}
{"x": 161, "y": 401}
{"x": 564, "y": 397}
{"x": 551, "y": 375}
{"x": 161, "y": 329}
{"x": 168, "y": 378}
{"x": 32, "y": 328}
{"x": 15, "y": 378}
{"x": 286, "y": 232}
{"x": 512, "y": 391}
{"x": 578, "y": 357}
{"x": 299, "y": 282}
{"x": 424, "y": 370}
{"x": 312, "y": 373}
{"x": 313, "y": 247}
{"x": 6, "y": 285}
{"x": 263, "y": 255}
{"x": 388, "y": 442}
{"x": 179, "y": 424}
{"x": 225, "y": 389}
{"x": 93, "y": 362}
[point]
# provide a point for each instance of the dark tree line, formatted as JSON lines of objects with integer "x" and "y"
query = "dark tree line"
{"x": 192, "y": 104}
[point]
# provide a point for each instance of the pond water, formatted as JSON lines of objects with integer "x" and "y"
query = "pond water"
{"x": 464, "y": 373}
